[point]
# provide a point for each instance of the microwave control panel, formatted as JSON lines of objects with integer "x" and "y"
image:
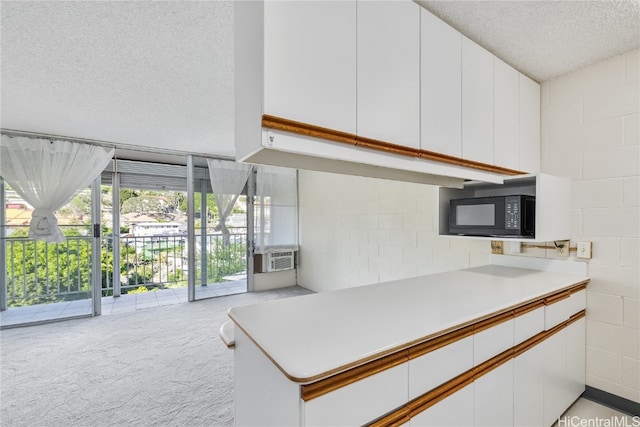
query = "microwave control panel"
{"x": 512, "y": 212}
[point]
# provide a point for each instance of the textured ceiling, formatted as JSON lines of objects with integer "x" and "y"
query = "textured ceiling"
{"x": 160, "y": 73}
{"x": 143, "y": 73}
{"x": 545, "y": 39}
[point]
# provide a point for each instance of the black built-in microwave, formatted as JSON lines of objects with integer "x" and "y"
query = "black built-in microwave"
{"x": 497, "y": 216}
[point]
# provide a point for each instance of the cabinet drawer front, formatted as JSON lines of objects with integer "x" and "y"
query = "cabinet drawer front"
{"x": 360, "y": 402}
{"x": 432, "y": 369}
{"x": 578, "y": 301}
{"x": 492, "y": 341}
{"x": 528, "y": 324}
{"x": 558, "y": 312}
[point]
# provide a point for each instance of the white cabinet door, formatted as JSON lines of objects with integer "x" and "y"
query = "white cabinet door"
{"x": 310, "y": 62}
{"x": 477, "y": 102}
{"x": 440, "y": 86}
{"x": 360, "y": 402}
{"x": 554, "y": 376}
{"x": 388, "y": 106}
{"x": 575, "y": 360}
{"x": 506, "y": 105}
{"x": 493, "y": 341}
{"x": 454, "y": 411}
{"x": 529, "y": 125}
{"x": 528, "y": 388}
{"x": 493, "y": 397}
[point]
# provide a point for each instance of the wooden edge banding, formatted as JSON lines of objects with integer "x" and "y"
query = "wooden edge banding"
{"x": 430, "y": 398}
{"x": 528, "y": 308}
{"x": 525, "y": 346}
{"x": 493, "y": 321}
{"x": 439, "y": 342}
{"x": 310, "y": 391}
{"x": 388, "y": 147}
{"x": 579, "y": 315}
{"x": 300, "y": 128}
{"x": 580, "y": 287}
{"x": 306, "y": 129}
{"x": 396, "y": 418}
{"x": 559, "y": 296}
{"x": 491, "y": 364}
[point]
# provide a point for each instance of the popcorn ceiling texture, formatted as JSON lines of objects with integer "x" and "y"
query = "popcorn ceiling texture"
{"x": 156, "y": 74}
{"x": 545, "y": 39}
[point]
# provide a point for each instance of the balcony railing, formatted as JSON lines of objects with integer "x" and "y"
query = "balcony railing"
{"x": 39, "y": 272}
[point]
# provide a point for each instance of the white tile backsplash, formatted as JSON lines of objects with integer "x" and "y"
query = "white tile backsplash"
{"x": 613, "y": 222}
{"x": 632, "y": 66}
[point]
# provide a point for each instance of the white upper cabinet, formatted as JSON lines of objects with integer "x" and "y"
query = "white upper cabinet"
{"x": 506, "y": 106}
{"x": 477, "y": 103}
{"x": 529, "y": 138}
{"x": 388, "y": 82}
{"x": 310, "y": 62}
{"x": 441, "y": 86}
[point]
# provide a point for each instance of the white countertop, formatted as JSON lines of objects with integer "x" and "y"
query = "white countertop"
{"x": 311, "y": 336}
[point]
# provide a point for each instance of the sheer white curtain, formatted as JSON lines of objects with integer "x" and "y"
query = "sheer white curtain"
{"x": 227, "y": 181}
{"x": 47, "y": 174}
{"x": 276, "y": 209}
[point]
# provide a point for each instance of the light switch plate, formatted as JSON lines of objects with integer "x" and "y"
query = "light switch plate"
{"x": 584, "y": 250}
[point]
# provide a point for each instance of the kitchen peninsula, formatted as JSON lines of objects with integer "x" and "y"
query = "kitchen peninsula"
{"x": 490, "y": 345}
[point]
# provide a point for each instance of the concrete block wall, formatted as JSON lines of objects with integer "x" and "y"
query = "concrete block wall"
{"x": 590, "y": 133}
{"x": 358, "y": 231}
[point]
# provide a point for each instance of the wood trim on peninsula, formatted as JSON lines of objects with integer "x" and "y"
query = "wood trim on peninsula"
{"x": 349, "y": 376}
{"x": 430, "y": 398}
{"x": 306, "y": 129}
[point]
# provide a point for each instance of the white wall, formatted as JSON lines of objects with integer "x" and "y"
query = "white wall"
{"x": 358, "y": 231}
{"x": 590, "y": 132}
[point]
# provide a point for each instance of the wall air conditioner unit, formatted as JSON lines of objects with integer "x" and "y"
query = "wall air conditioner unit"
{"x": 280, "y": 261}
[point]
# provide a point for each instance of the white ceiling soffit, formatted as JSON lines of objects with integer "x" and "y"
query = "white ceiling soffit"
{"x": 146, "y": 73}
{"x": 545, "y": 39}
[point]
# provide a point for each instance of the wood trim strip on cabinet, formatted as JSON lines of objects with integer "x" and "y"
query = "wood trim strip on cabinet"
{"x": 430, "y": 398}
{"x": 438, "y": 342}
{"x": 306, "y": 129}
{"x": 528, "y": 308}
{"x": 394, "y": 419}
{"x": 327, "y": 385}
{"x": 491, "y": 364}
{"x": 551, "y": 299}
{"x": 300, "y": 128}
{"x": 493, "y": 321}
{"x": 578, "y": 288}
{"x": 574, "y": 318}
{"x": 372, "y": 367}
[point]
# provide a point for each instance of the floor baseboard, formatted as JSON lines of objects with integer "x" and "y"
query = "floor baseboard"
{"x": 611, "y": 400}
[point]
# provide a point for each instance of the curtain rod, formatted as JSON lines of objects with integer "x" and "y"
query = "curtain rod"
{"x": 121, "y": 146}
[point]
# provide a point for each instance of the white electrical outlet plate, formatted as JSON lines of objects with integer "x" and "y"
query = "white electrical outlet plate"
{"x": 516, "y": 247}
{"x": 584, "y": 250}
{"x": 562, "y": 248}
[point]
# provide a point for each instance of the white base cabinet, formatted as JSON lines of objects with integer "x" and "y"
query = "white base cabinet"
{"x": 493, "y": 397}
{"x": 520, "y": 367}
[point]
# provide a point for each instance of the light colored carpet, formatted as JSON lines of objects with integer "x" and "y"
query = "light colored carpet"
{"x": 162, "y": 366}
